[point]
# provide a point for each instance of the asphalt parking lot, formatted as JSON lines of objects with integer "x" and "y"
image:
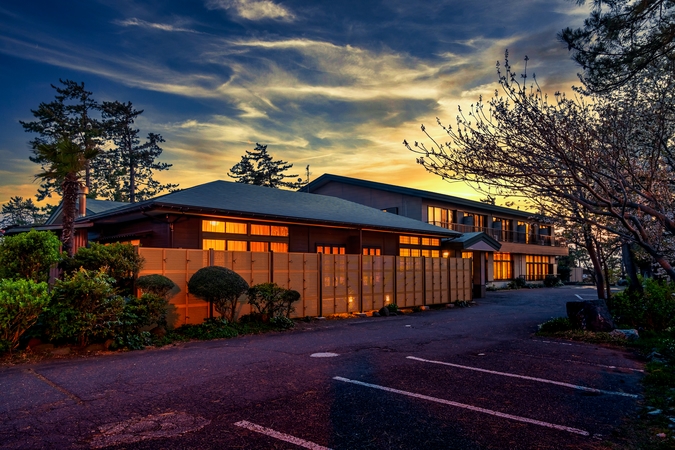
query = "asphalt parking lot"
{"x": 466, "y": 378}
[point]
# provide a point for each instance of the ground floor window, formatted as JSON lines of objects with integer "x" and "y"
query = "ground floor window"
{"x": 537, "y": 267}
{"x": 419, "y": 246}
{"x": 372, "y": 251}
{"x": 331, "y": 249}
{"x": 503, "y": 266}
{"x": 243, "y": 246}
{"x": 467, "y": 255}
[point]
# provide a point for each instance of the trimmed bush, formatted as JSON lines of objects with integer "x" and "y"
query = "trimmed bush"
{"x": 272, "y": 300}
{"x": 84, "y": 308}
{"x": 29, "y": 255}
{"x": 219, "y": 286}
{"x": 120, "y": 261}
{"x": 157, "y": 285}
{"x": 392, "y": 307}
{"x": 21, "y": 302}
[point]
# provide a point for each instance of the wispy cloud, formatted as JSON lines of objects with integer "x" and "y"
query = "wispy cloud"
{"x": 134, "y": 22}
{"x": 253, "y": 9}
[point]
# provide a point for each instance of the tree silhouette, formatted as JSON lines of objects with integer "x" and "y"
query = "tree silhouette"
{"x": 259, "y": 168}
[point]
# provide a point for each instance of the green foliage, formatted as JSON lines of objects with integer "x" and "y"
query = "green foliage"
{"x": 392, "y": 307}
{"x": 517, "y": 283}
{"x": 29, "y": 255}
{"x": 216, "y": 328}
{"x": 282, "y": 322}
{"x": 84, "y": 307}
{"x": 219, "y": 286}
{"x": 120, "y": 261}
{"x": 654, "y": 309}
{"x": 551, "y": 281}
{"x": 259, "y": 168}
{"x": 131, "y": 162}
{"x": 18, "y": 211}
{"x": 157, "y": 285}
{"x": 556, "y": 325}
{"x": 272, "y": 300}
{"x": 21, "y": 302}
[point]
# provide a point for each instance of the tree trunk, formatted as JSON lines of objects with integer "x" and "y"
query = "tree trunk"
{"x": 597, "y": 266}
{"x": 71, "y": 187}
{"x": 629, "y": 264}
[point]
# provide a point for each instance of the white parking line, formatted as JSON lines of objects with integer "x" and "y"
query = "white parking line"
{"x": 469, "y": 407}
{"x": 281, "y": 436}
{"x": 579, "y": 296}
{"x": 524, "y": 377}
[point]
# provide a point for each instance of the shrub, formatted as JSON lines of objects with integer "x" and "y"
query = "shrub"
{"x": 157, "y": 285}
{"x": 29, "y": 255}
{"x": 556, "y": 325}
{"x": 392, "y": 307}
{"x": 219, "y": 286}
{"x": 21, "y": 302}
{"x": 84, "y": 307}
{"x": 216, "y": 328}
{"x": 551, "y": 281}
{"x": 148, "y": 309}
{"x": 654, "y": 309}
{"x": 282, "y": 322}
{"x": 120, "y": 261}
{"x": 272, "y": 300}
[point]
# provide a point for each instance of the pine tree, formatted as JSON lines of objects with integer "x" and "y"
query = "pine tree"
{"x": 71, "y": 115}
{"x": 18, "y": 211}
{"x": 259, "y": 168}
{"x": 130, "y": 163}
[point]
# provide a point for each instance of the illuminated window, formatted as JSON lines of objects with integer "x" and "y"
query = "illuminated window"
{"x": 330, "y": 249}
{"x": 216, "y": 244}
{"x": 279, "y": 231}
{"x": 404, "y": 252}
{"x": 268, "y": 230}
{"x": 235, "y": 228}
{"x": 260, "y": 246}
{"x": 441, "y": 217}
{"x": 213, "y": 226}
{"x": 503, "y": 266}
{"x": 431, "y": 242}
{"x": 260, "y": 230}
{"x": 537, "y": 267}
{"x": 279, "y": 247}
{"x": 404, "y": 239}
{"x": 410, "y": 252}
{"x": 467, "y": 255}
{"x": 371, "y": 251}
{"x": 239, "y": 246}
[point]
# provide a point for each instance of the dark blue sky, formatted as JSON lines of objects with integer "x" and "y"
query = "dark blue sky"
{"x": 334, "y": 84}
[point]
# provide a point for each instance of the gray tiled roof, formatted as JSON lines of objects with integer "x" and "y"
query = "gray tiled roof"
{"x": 222, "y": 197}
{"x": 94, "y": 206}
{"x": 327, "y": 178}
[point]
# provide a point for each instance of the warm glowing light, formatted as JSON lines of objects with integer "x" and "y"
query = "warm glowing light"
{"x": 351, "y": 299}
{"x": 386, "y": 299}
{"x": 214, "y": 223}
{"x": 446, "y": 254}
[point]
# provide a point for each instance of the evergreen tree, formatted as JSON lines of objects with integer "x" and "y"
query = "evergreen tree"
{"x": 72, "y": 116}
{"x": 259, "y": 168}
{"x": 130, "y": 163}
{"x": 620, "y": 39}
{"x": 18, "y": 211}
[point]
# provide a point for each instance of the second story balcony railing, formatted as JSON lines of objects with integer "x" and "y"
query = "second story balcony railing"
{"x": 505, "y": 235}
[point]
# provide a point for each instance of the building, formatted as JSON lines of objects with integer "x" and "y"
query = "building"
{"x": 528, "y": 247}
{"x": 232, "y": 216}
